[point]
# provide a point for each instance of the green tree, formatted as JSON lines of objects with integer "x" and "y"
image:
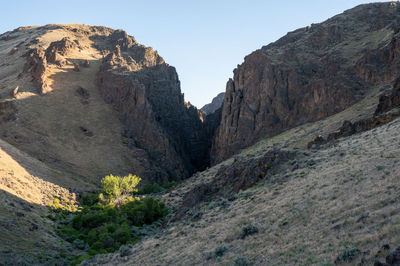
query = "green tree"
{"x": 128, "y": 184}
{"x": 117, "y": 187}
{"x": 111, "y": 186}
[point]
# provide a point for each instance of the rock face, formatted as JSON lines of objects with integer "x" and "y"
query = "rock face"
{"x": 390, "y": 101}
{"x": 59, "y": 49}
{"x": 309, "y": 74}
{"x": 215, "y": 104}
{"x": 37, "y": 65}
{"x": 386, "y": 111}
{"x": 146, "y": 92}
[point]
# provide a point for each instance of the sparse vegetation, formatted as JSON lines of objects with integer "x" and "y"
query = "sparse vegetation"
{"x": 220, "y": 251}
{"x": 248, "y": 230}
{"x": 241, "y": 261}
{"x": 348, "y": 254}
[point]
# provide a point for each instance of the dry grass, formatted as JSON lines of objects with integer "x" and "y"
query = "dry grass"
{"x": 348, "y": 198}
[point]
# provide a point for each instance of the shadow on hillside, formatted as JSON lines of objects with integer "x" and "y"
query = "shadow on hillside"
{"x": 24, "y": 232}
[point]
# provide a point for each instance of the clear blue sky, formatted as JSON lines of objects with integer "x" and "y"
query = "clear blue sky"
{"x": 205, "y": 40}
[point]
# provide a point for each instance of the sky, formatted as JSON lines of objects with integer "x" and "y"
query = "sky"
{"x": 205, "y": 40}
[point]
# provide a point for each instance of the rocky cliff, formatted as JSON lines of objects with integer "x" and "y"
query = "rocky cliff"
{"x": 146, "y": 92}
{"x": 215, "y": 104}
{"x": 99, "y": 102}
{"x": 309, "y": 74}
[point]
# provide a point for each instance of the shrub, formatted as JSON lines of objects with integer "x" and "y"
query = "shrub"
{"x": 151, "y": 188}
{"x": 241, "y": 261}
{"x": 125, "y": 250}
{"x": 155, "y": 187}
{"x": 78, "y": 243}
{"x": 248, "y": 230}
{"x": 89, "y": 199}
{"x": 220, "y": 251}
{"x": 348, "y": 254}
{"x": 80, "y": 259}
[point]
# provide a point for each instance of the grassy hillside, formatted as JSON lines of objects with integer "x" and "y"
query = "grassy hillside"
{"x": 323, "y": 206}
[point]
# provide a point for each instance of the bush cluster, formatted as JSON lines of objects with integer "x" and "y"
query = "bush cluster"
{"x": 104, "y": 224}
{"x": 103, "y": 228}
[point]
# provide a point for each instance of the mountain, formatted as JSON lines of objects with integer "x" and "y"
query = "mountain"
{"x": 215, "y": 104}
{"x": 309, "y": 74}
{"x": 91, "y": 100}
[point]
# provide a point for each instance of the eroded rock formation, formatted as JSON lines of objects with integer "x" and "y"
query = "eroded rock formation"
{"x": 309, "y": 74}
{"x": 37, "y": 65}
{"x": 146, "y": 92}
{"x": 59, "y": 49}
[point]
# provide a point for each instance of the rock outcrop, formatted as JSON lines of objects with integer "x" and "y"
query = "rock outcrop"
{"x": 238, "y": 176}
{"x": 37, "y": 65}
{"x": 387, "y": 110}
{"x": 309, "y": 74}
{"x": 59, "y": 49}
{"x": 215, "y": 104}
{"x": 389, "y": 101}
{"x": 146, "y": 92}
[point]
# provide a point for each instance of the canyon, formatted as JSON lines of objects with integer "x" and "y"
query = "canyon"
{"x": 303, "y": 145}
